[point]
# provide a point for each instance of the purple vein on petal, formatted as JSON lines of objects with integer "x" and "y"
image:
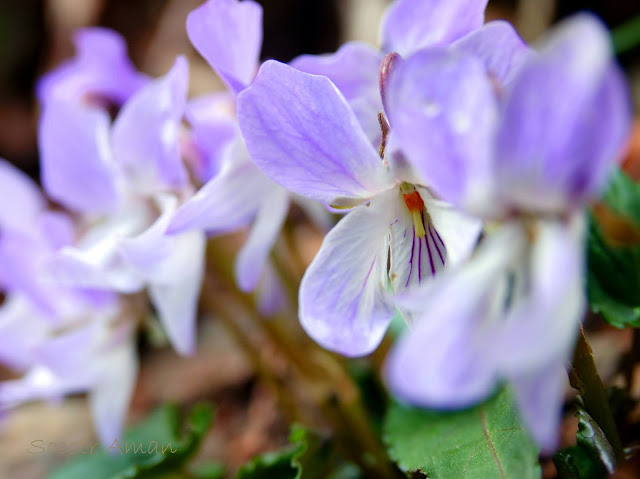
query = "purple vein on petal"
{"x": 435, "y": 243}
{"x": 413, "y": 246}
{"x": 419, "y": 255}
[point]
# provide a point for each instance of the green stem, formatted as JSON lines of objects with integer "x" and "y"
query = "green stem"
{"x": 587, "y": 381}
{"x": 626, "y": 36}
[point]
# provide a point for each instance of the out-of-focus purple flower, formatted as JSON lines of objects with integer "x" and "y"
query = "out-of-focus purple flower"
{"x": 100, "y": 73}
{"x": 228, "y": 34}
{"x": 527, "y": 152}
{"x": 304, "y": 134}
{"x": 126, "y": 180}
{"x": 64, "y": 340}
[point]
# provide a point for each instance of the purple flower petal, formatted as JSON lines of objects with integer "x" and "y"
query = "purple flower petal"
{"x": 271, "y": 294}
{"x": 443, "y": 362}
{"x": 499, "y": 46}
{"x": 213, "y": 130}
{"x": 251, "y": 260}
{"x": 549, "y": 315}
{"x": 76, "y": 157}
{"x": 566, "y": 117}
{"x": 443, "y": 110}
{"x": 344, "y": 304}
{"x": 354, "y": 70}
{"x": 539, "y": 397}
{"x": 101, "y": 69}
{"x": 410, "y": 25}
{"x": 173, "y": 266}
{"x": 24, "y": 196}
{"x": 228, "y": 34}
{"x": 229, "y": 200}
{"x": 145, "y": 133}
{"x": 110, "y": 397}
{"x": 21, "y": 329}
{"x": 301, "y": 132}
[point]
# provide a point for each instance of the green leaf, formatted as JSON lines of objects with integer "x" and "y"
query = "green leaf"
{"x": 591, "y": 438}
{"x": 486, "y": 441}
{"x": 623, "y": 196}
{"x": 591, "y": 458}
{"x": 575, "y": 463}
{"x": 160, "y": 445}
{"x": 310, "y": 456}
{"x": 613, "y": 280}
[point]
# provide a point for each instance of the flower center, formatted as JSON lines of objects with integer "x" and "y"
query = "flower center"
{"x": 415, "y": 204}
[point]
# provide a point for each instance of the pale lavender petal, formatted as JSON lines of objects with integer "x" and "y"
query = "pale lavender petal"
{"x": 213, "y": 130}
{"x": 443, "y": 361}
{"x": 95, "y": 261}
{"x": 300, "y": 131}
{"x": 24, "y": 196}
{"x": 228, "y": 34}
{"x": 499, "y": 46}
{"x": 410, "y": 25}
{"x": 251, "y": 260}
{"x": 76, "y": 158}
{"x": 173, "y": 267}
{"x": 17, "y": 317}
{"x": 354, "y": 70}
{"x": 565, "y": 121}
{"x": 271, "y": 294}
{"x": 109, "y": 398}
{"x": 549, "y": 315}
{"x": 539, "y": 398}
{"x": 443, "y": 110}
{"x": 457, "y": 230}
{"x": 229, "y": 200}
{"x": 344, "y": 304}
{"x": 101, "y": 69}
{"x": 145, "y": 133}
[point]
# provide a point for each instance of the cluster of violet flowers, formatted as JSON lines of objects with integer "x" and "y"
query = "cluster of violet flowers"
{"x": 460, "y": 158}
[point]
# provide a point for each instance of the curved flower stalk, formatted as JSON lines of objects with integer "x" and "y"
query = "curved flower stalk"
{"x": 228, "y": 34}
{"x": 63, "y": 340}
{"x": 540, "y": 147}
{"x": 124, "y": 181}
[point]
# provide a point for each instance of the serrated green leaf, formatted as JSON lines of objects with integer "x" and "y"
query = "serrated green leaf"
{"x": 151, "y": 449}
{"x": 613, "y": 280}
{"x": 623, "y": 196}
{"x": 487, "y": 441}
{"x": 278, "y": 464}
{"x": 310, "y": 456}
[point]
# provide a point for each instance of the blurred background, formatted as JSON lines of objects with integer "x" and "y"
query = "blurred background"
{"x": 35, "y": 36}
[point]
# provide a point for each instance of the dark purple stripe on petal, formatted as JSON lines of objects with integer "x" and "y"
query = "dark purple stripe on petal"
{"x": 413, "y": 246}
{"x": 435, "y": 243}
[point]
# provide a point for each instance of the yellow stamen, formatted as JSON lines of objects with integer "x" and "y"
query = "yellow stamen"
{"x": 417, "y": 223}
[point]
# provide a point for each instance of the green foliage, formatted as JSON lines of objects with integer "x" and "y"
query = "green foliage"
{"x": 486, "y": 441}
{"x": 614, "y": 271}
{"x": 591, "y": 458}
{"x": 623, "y": 197}
{"x": 310, "y": 456}
{"x": 159, "y": 446}
{"x": 613, "y": 280}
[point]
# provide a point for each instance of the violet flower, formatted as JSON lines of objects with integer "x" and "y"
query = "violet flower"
{"x": 125, "y": 180}
{"x": 314, "y": 137}
{"x": 539, "y": 147}
{"x": 63, "y": 340}
{"x": 228, "y": 34}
